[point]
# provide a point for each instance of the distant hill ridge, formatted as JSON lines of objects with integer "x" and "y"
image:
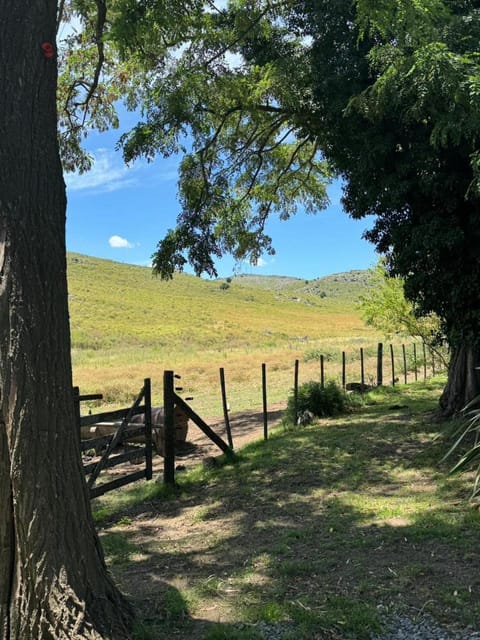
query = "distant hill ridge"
{"x": 345, "y": 285}
{"x": 339, "y": 285}
{"x": 334, "y": 284}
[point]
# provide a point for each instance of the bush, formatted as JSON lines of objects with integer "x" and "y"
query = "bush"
{"x": 314, "y": 354}
{"x": 328, "y": 401}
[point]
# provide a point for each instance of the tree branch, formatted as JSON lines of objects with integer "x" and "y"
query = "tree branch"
{"x": 60, "y": 10}
{"x": 100, "y": 25}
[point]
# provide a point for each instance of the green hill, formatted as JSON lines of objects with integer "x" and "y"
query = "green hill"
{"x": 127, "y": 324}
{"x": 116, "y": 304}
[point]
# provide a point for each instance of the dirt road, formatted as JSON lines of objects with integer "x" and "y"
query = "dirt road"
{"x": 245, "y": 427}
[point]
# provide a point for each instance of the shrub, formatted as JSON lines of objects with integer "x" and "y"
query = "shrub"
{"x": 328, "y": 401}
{"x": 314, "y": 354}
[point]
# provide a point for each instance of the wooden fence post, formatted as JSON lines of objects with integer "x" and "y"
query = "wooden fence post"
{"x": 404, "y": 363}
{"x": 344, "y": 370}
{"x": 322, "y": 372}
{"x": 264, "y": 398}
{"x": 393, "y": 365}
{"x": 415, "y": 361}
{"x": 362, "y": 369}
{"x": 433, "y": 363}
{"x": 380, "y": 364}
{"x": 169, "y": 428}
{"x": 226, "y": 417}
{"x": 424, "y": 361}
{"x": 295, "y": 392}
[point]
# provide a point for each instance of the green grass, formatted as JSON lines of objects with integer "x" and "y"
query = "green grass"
{"x": 309, "y": 532}
{"x": 117, "y": 548}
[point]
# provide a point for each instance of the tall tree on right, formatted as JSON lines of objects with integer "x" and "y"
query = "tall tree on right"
{"x": 398, "y": 92}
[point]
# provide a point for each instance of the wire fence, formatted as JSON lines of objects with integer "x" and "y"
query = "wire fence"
{"x": 357, "y": 368}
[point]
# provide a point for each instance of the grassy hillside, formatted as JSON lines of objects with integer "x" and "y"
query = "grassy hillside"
{"x": 118, "y": 304}
{"x": 127, "y": 325}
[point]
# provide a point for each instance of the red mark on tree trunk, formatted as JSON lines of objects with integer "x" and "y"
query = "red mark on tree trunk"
{"x": 48, "y": 49}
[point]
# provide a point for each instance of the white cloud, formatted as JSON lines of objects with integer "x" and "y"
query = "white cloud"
{"x": 108, "y": 173}
{"x": 260, "y": 263}
{"x": 117, "y": 242}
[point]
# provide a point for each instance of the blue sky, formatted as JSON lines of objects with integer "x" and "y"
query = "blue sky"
{"x": 120, "y": 213}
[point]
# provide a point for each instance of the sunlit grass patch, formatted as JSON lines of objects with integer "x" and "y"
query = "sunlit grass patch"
{"x": 117, "y": 502}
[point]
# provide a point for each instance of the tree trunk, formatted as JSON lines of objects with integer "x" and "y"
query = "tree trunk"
{"x": 463, "y": 379}
{"x": 53, "y": 580}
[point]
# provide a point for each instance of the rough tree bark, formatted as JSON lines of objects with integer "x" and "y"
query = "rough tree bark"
{"x": 53, "y": 580}
{"x": 463, "y": 379}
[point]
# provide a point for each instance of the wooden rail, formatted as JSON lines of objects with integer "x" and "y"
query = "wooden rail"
{"x": 124, "y": 430}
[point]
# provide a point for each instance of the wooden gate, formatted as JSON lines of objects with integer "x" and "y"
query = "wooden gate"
{"x": 170, "y": 401}
{"x": 124, "y": 432}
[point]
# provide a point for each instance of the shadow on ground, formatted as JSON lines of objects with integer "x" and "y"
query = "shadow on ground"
{"x": 319, "y": 530}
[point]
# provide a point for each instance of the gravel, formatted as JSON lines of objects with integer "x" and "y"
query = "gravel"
{"x": 273, "y": 630}
{"x": 397, "y": 628}
{"x": 424, "y": 628}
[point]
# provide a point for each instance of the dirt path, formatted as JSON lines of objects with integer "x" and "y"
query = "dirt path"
{"x": 245, "y": 427}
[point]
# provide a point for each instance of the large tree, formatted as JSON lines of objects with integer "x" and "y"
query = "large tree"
{"x": 410, "y": 154}
{"x": 53, "y": 580}
{"x": 387, "y": 93}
